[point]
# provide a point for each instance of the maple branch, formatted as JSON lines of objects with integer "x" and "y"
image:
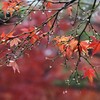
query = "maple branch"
{"x": 18, "y": 50}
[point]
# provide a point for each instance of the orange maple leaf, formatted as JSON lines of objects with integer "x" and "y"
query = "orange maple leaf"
{"x": 95, "y": 45}
{"x": 4, "y": 37}
{"x": 68, "y": 52}
{"x": 10, "y": 6}
{"x": 62, "y": 39}
{"x": 49, "y": 4}
{"x": 69, "y": 11}
{"x": 83, "y": 47}
{"x": 67, "y": 45}
{"x": 90, "y": 73}
{"x": 5, "y": 6}
{"x": 61, "y": 42}
{"x": 73, "y": 44}
{"x": 11, "y": 10}
{"x": 34, "y": 38}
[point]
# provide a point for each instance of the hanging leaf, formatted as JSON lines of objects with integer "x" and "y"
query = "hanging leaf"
{"x": 69, "y": 11}
{"x": 3, "y": 35}
{"x": 14, "y": 65}
{"x": 73, "y": 44}
{"x": 95, "y": 45}
{"x": 96, "y": 49}
{"x": 84, "y": 46}
{"x": 68, "y": 52}
{"x": 15, "y": 42}
{"x": 49, "y": 4}
{"x": 90, "y": 73}
{"x": 5, "y": 7}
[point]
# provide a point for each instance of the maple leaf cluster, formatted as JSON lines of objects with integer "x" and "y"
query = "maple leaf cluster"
{"x": 69, "y": 45}
{"x": 15, "y": 40}
{"x": 10, "y": 6}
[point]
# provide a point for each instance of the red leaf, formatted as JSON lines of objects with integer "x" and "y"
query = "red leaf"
{"x": 69, "y": 11}
{"x": 5, "y": 6}
{"x": 69, "y": 52}
{"x": 3, "y": 35}
{"x": 95, "y": 45}
{"x": 83, "y": 47}
{"x": 10, "y": 6}
{"x": 49, "y": 4}
{"x": 90, "y": 73}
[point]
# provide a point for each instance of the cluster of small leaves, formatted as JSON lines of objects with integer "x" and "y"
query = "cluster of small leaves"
{"x": 11, "y": 6}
